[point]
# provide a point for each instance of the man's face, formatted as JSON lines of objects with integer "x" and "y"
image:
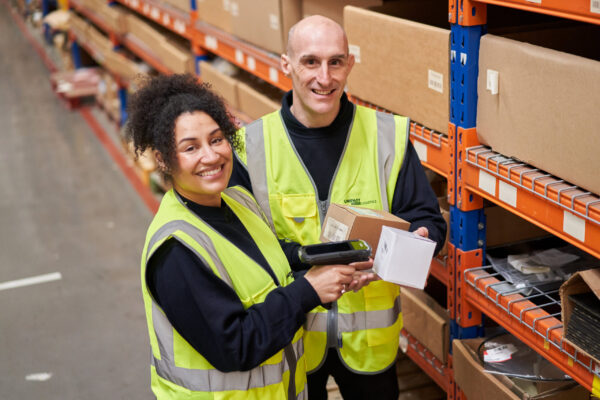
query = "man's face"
{"x": 318, "y": 64}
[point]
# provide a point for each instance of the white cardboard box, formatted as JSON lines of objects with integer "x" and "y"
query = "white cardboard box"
{"x": 403, "y": 257}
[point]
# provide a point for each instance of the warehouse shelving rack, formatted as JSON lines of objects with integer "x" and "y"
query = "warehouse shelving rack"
{"x": 565, "y": 210}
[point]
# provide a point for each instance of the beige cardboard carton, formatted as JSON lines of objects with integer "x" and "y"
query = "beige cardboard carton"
{"x": 216, "y": 13}
{"x": 334, "y": 9}
{"x": 224, "y": 85}
{"x": 344, "y": 222}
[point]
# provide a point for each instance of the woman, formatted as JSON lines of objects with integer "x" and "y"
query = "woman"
{"x": 224, "y": 313}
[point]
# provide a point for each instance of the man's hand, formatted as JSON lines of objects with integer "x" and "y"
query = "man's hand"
{"x": 422, "y": 231}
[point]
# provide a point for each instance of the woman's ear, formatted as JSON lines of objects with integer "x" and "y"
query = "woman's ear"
{"x": 160, "y": 161}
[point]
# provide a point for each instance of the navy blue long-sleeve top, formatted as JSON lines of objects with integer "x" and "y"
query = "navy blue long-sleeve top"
{"x": 209, "y": 314}
{"x": 321, "y": 149}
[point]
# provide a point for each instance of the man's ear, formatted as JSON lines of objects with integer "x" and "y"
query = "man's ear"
{"x": 286, "y": 65}
{"x": 350, "y": 62}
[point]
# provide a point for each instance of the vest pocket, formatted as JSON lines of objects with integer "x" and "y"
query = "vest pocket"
{"x": 298, "y": 216}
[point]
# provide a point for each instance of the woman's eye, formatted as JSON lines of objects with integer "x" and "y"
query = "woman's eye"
{"x": 217, "y": 140}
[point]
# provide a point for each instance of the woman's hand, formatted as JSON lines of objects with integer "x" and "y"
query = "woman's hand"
{"x": 330, "y": 281}
{"x": 363, "y": 275}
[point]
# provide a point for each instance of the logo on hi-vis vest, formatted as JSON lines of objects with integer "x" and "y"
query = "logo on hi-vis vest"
{"x": 358, "y": 202}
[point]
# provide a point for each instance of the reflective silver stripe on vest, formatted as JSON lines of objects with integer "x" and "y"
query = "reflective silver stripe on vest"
{"x": 212, "y": 380}
{"x": 386, "y": 149}
{"x": 249, "y": 203}
{"x": 359, "y": 320}
{"x": 202, "y": 238}
{"x": 257, "y": 165}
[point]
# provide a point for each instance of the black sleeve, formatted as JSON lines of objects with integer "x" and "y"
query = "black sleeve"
{"x": 210, "y": 316}
{"x": 239, "y": 175}
{"x": 290, "y": 249}
{"x": 415, "y": 201}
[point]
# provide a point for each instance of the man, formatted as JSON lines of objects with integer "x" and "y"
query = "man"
{"x": 321, "y": 149}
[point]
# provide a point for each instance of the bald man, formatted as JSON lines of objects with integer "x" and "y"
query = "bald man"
{"x": 319, "y": 149}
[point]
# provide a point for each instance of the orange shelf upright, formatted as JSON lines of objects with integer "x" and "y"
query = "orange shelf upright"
{"x": 171, "y": 18}
{"x": 433, "y": 367}
{"x": 559, "y": 207}
{"x": 439, "y": 270}
{"x": 581, "y": 10}
{"x": 530, "y": 323}
{"x": 257, "y": 61}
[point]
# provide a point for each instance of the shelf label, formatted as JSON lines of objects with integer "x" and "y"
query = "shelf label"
{"x": 574, "y": 226}
{"x": 179, "y": 26}
{"x": 251, "y": 62}
{"x": 421, "y": 149}
{"x": 155, "y": 13}
{"x": 595, "y": 6}
{"x": 435, "y": 81}
{"x": 135, "y": 3}
{"x": 507, "y": 193}
{"x": 239, "y": 56}
{"x": 535, "y": 1}
{"x": 487, "y": 182}
{"x": 211, "y": 42}
{"x": 355, "y": 51}
{"x": 273, "y": 75}
{"x": 166, "y": 20}
{"x": 145, "y": 8}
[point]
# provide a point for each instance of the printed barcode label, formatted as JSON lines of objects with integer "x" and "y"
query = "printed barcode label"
{"x": 435, "y": 81}
{"x": 273, "y": 75}
{"x": 334, "y": 230}
{"x": 211, "y": 42}
{"x": 595, "y": 6}
{"x": 251, "y": 62}
{"x": 239, "y": 56}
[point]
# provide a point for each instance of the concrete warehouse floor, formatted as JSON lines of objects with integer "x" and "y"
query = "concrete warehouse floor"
{"x": 65, "y": 209}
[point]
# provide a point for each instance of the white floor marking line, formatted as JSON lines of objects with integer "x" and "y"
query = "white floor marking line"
{"x": 42, "y": 376}
{"x": 34, "y": 280}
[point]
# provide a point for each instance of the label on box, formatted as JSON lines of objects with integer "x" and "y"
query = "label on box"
{"x": 234, "y": 8}
{"x": 595, "y": 6}
{"x": 226, "y": 5}
{"x": 355, "y": 51}
{"x": 499, "y": 354}
{"x": 435, "y": 81}
{"x": 365, "y": 211}
{"x": 274, "y": 22}
{"x": 334, "y": 230}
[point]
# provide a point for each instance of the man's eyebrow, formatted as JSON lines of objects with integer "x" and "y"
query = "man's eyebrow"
{"x": 337, "y": 56}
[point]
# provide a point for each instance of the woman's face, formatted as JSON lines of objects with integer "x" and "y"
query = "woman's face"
{"x": 203, "y": 159}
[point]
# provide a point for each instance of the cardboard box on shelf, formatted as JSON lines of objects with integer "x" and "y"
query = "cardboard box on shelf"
{"x": 334, "y": 9}
{"x": 473, "y": 380}
{"x": 143, "y": 31}
{"x": 216, "y": 13}
{"x": 175, "y": 55}
{"x": 265, "y": 23}
{"x": 427, "y": 321}
{"x": 581, "y": 282}
{"x": 540, "y": 111}
{"x": 182, "y": 5}
{"x": 256, "y": 97}
{"x": 503, "y": 227}
{"x": 224, "y": 85}
{"x": 403, "y": 257}
{"x": 344, "y": 222}
{"x": 402, "y": 63}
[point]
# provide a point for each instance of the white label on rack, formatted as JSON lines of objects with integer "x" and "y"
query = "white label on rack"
{"x": 211, "y": 42}
{"x": 274, "y": 22}
{"x": 135, "y": 3}
{"x": 507, "y": 193}
{"x": 179, "y": 26}
{"x": 574, "y": 226}
{"x": 535, "y": 1}
{"x": 435, "y": 81}
{"x": 166, "y": 20}
{"x": 234, "y": 8}
{"x": 239, "y": 56}
{"x": 273, "y": 75}
{"x": 155, "y": 13}
{"x": 226, "y": 5}
{"x": 487, "y": 182}
{"x": 251, "y": 62}
{"x": 595, "y": 6}
{"x": 145, "y": 9}
{"x": 334, "y": 230}
{"x": 421, "y": 149}
{"x": 355, "y": 51}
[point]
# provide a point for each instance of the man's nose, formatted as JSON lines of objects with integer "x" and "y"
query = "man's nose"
{"x": 324, "y": 76}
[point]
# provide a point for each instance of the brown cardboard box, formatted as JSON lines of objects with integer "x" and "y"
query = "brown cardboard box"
{"x": 265, "y": 23}
{"x": 334, "y": 9}
{"x": 182, "y": 5}
{"x": 402, "y": 65}
{"x": 256, "y": 97}
{"x": 175, "y": 56}
{"x": 544, "y": 113}
{"x": 427, "y": 321}
{"x": 121, "y": 65}
{"x": 502, "y": 227}
{"x": 344, "y": 222}
{"x": 216, "y": 13}
{"x": 580, "y": 282}
{"x": 143, "y": 31}
{"x": 224, "y": 85}
{"x": 475, "y": 382}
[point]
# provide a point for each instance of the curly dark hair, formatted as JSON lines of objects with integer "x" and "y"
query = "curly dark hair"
{"x": 154, "y": 108}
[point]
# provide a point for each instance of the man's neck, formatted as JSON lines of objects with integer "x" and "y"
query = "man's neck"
{"x": 313, "y": 120}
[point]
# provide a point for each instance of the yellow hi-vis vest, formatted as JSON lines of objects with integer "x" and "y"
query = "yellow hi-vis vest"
{"x": 363, "y": 326}
{"x": 178, "y": 371}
